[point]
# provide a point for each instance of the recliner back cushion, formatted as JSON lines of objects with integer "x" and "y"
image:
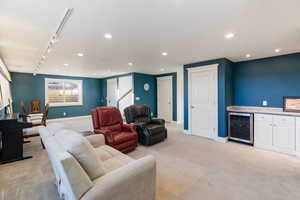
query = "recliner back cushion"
{"x": 109, "y": 116}
{"x": 141, "y": 112}
{"x": 79, "y": 147}
{"x": 95, "y": 118}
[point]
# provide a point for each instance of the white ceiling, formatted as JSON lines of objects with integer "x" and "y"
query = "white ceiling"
{"x": 189, "y": 30}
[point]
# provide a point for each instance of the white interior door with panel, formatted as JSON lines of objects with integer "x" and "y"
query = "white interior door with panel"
{"x": 164, "y": 97}
{"x": 112, "y": 92}
{"x": 203, "y": 101}
{"x": 125, "y": 92}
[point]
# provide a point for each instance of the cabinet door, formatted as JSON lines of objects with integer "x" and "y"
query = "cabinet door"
{"x": 298, "y": 134}
{"x": 284, "y": 133}
{"x": 263, "y": 131}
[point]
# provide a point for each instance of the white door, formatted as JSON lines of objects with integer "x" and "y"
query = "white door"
{"x": 164, "y": 98}
{"x": 284, "y": 133}
{"x": 298, "y": 134}
{"x": 125, "y": 88}
{"x": 263, "y": 131}
{"x": 203, "y": 90}
{"x": 112, "y": 92}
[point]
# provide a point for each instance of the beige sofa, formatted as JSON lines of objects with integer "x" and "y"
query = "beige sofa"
{"x": 111, "y": 175}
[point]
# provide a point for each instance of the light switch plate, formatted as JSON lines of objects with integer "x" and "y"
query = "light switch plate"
{"x": 264, "y": 102}
{"x": 137, "y": 98}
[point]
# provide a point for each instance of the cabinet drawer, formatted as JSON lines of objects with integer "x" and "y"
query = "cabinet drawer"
{"x": 284, "y": 121}
{"x": 263, "y": 117}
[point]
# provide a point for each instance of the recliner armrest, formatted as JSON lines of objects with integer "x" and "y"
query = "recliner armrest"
{"x": 129, "y": 127}
{"x": 141, "y": 124}
{"x": 135, "y": 180}
{"x": 158, "y": 121}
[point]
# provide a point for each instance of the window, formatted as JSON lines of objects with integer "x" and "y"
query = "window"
{"x": 63, "y": 92}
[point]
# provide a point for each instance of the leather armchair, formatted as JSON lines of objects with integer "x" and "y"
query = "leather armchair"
{"x": 108, "y": 121}
{"x": 150, "y": 131}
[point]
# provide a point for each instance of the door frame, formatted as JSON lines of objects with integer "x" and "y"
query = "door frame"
{"x": 213, "y": 67}
{"x": 171, "y": 80}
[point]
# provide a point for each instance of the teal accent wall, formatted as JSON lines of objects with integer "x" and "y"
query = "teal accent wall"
{"x": 26, "y": 87}
{"x": 174, "y": 92}
{"x": 266, "y": 79}
{"x": 224, "y": 91}
{"x": 146, "y": 97}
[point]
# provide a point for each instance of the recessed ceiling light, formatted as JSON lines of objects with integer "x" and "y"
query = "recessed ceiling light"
{"x": 130, "y": 63}
{"x": 107, "y": 36}
{"x": 66, "y": 64}
{"x": 80, "y": 54}
{"x": 229, "y": 35}
{"x": 162, "y": 69}
{"x": 277, "y": 50}
{"x": 248, "y": 55}
{"x": 164, "y": 53}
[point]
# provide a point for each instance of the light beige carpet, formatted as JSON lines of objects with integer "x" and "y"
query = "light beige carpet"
{"x": 188, "y": 168}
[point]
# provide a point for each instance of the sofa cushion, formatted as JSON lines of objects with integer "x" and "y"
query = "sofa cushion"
{"x": 116, "y": 162}
{"x": 82, "y": 151}
{"x": 102, "y": 154}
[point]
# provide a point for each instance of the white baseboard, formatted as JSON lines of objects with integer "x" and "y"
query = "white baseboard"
{"x": 221, "y": 139}
{"x": 187, "y": 132}
{"x": 68, "y": 118}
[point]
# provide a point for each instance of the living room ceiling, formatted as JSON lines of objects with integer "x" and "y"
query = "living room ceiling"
{"x": 141, "y": 30}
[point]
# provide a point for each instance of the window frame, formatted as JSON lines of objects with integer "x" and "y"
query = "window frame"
{"x": 77, "y": 82}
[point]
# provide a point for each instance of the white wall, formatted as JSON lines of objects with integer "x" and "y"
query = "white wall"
{"x": 180, "y": 95}
{"x": 5, "y": 88}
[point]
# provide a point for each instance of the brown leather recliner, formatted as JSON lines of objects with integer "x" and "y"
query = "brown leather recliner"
{"x": 108, "y": 121}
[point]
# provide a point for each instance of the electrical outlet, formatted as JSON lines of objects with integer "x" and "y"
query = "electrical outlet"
{"x": 264, "y": 102}
{"x": 137, "y": 98}
{"x": 64, "y": 113}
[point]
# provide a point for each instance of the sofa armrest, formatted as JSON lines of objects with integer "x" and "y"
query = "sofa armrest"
{"x": 158, "y": 121}
{"x": 96, "y": 140}
{"x": 109, "y": 139}
{"x": 129, "y": 127}
{"x": 135, "y": 180}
